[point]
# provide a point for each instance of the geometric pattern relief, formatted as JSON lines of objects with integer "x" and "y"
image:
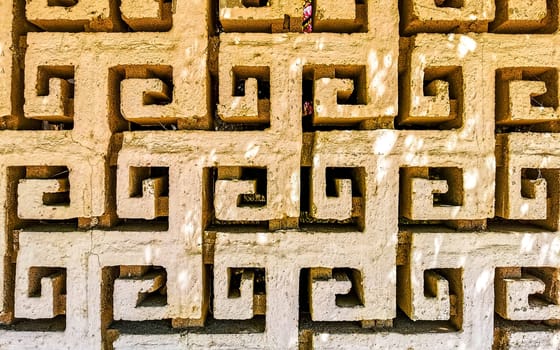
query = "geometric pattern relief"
{"x": 279, "y": 174}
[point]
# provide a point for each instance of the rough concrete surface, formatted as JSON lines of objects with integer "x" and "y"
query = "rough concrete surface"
{"x": 202, "y": 174}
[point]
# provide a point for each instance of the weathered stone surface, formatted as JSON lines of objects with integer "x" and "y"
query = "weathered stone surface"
{"x": 196, "y": 174}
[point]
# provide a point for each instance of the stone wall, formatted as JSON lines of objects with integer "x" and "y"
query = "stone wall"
{"x": 203, "y": 174}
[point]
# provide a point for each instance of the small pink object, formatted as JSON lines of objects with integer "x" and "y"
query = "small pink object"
{"x": 307, "y": 108}
{"x": 307, "y": 24}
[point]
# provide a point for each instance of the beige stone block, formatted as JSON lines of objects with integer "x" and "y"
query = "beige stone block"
{"x": 292, "y": 56}
{"x": 326, "y": 108}
{"x": 340, "y": 16}
{"x": 149, "y": 204}
{"x": 519, "y": 16}
{"x": 520, "y": 10}
{"x": 227, "y": 205}
{"x": 419, "y": 306}
{"x": 436, "y": 107}
{"x": 134, "y": 55}
{"x": 421, "y": 199}
{"x": 323, "y": 291}
{"x": 512, "y": 299}
{"x": 247, "y": 108}
{"x": 520, "y": 109}
{"x": 50, "y": 303}
{"x": 459, "y": 203}
{"x": 248, "y": 150}
{"x": 129, "y": 293}
{"x": 529, "y": 198}
{"x": 56, "y": 106}
{"x": 147, "y": 15}
{"x": 32, "y": 194}
{"x": 525, "y": 88}
{"x": 526, "y": 340}
{"x": 330, "y": 9}
{"x": 435, "y": 82}
{"x": 228, "y": 306}
{"x": 30, "y": 197}
{"x": 446, "y": 16}
{"x": 438, "y": 284}
{"x": 256, "y": 250}
{"x": 69, "y": 15}
{"x": 6, "y": 59}
{"x": 325, "y": 207}
{"x": 50, "y": 280}
{"x": 145, "y": 297}
{"x": 240, "y": 15}
{"x": 526, "y": 199}
{"x": 139, "y": 98}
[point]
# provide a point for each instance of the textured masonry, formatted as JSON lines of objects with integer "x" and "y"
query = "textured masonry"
{"x": 202, "y": 174}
